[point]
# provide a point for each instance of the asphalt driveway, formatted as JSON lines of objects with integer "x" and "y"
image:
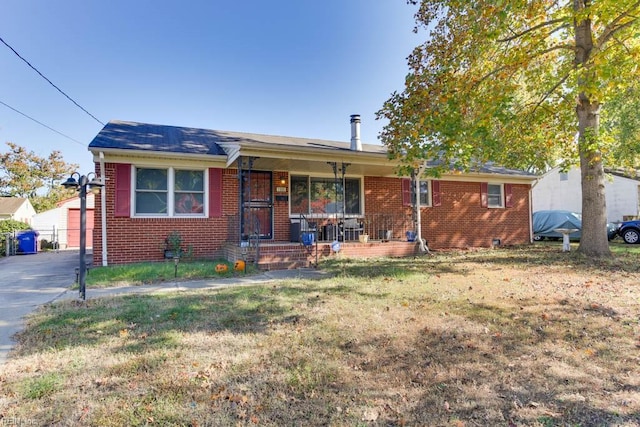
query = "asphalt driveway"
{"x": 28, "y": 281}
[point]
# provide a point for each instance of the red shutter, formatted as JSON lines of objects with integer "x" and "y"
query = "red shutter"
{"x": 406, "y": 192}
{"x": 123, "y": 190}
{"x": 435, "y": 193}
{"x": 215, "y": 193}
{"x": 484, "y": 196}
{"x": 508, "y": 195}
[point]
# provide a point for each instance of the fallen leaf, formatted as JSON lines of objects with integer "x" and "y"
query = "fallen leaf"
{"x": 370, "y": 414}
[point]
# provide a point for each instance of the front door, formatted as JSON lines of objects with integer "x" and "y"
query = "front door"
{"x": 257, "y": 204}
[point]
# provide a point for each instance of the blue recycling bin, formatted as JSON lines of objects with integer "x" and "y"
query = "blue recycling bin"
{"x": 27, "y": 242}
{"x": 308, "y": 238}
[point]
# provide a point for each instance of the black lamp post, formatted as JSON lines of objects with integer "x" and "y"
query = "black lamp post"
{"x": 81, "y": 183}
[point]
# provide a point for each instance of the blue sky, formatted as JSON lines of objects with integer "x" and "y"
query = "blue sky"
{"x": 280, "y": 67}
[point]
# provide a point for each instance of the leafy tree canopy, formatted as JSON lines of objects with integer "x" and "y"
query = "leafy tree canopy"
{"x": 521, "y": 83}
{"x": 25, "y": 174}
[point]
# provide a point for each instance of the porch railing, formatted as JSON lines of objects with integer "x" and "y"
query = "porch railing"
{"x": 382, "y": 226}
{"x": 377, "y": 226}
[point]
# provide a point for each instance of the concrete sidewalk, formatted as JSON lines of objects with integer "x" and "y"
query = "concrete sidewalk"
{"x": 266, "y": 277}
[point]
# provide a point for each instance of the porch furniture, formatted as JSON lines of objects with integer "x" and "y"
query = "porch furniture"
{"x": 352, "y": 229}
{"x": 331, "y": 232}
{"x": 300, "y": 226}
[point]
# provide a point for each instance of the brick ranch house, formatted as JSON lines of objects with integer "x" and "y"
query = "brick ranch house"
{"x": 261, "y": 197}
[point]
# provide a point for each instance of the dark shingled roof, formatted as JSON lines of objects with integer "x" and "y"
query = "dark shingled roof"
{"x": 172, "y": 139}
{"x": 167, "y": 139}
{"x": 486, "y": 168}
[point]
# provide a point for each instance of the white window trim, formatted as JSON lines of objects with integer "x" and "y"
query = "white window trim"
{"x": 170, "y": 193}
{"x": 501, "y": 205}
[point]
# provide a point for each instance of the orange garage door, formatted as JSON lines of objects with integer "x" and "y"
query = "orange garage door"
{"x": 73, "y": 228}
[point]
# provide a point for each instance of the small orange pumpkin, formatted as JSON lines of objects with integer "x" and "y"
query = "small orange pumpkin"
{"x": 221, "y": 268}
{"x": 239, "y": 265}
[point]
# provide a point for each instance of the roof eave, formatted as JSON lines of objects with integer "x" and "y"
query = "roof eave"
{"x": 156, "y": 154}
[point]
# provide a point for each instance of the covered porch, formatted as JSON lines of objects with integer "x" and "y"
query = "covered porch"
{"x": 306, "y": 241}
{"x": 303, "y": 200}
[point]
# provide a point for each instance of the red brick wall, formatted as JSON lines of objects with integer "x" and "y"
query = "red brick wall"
{"x": 142, "y": 239}
{"x": 462, "y": 222}
{"x": 459, "y": 222}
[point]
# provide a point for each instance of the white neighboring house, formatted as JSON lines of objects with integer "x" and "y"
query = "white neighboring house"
{"x": 62, "y": 224}
{"x": 558, "y": 190}
{"x": 16, "y": 208}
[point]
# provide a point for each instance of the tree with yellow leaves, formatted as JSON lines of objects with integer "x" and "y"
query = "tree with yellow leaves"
{"x": 521, "y": 83}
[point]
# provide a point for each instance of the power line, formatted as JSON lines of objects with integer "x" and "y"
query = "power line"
{"x": 49, "y": 81}
{"x": 42, "y": 124}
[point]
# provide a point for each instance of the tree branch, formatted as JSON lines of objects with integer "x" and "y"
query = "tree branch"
{"x": 549, "y": 92}
{"x": 621, "y": 43}
{"x": 614, "y": 26}
{"x": 529, "y": 30}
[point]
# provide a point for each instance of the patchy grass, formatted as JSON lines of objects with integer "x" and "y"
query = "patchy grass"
{"x": 516, "y": 336}
{"x": 155, "y": 272}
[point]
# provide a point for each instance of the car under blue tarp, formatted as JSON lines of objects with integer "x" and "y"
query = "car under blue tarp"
{"x": 546, "y": 222}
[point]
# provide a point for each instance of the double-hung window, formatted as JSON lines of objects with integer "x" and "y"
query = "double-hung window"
{"x": 494, "y": 196}
{"x": 425, "y": 198}
{"x": 429, "y": 195}
{"x": 169, "y": 192}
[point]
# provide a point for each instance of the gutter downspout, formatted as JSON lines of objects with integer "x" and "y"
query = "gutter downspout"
{"x": 103, "y": 211}
{"x": 531, "y": 208}
{"x": 423, "y": 247}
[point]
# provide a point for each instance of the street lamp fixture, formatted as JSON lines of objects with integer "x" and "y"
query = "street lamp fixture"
{"x": 82, "y": 184}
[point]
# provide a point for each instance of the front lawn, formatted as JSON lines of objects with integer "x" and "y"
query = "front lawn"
{"x": 509, "y": 337}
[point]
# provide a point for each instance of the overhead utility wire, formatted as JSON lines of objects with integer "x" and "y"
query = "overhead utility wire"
{"x": 42, "y": 124}
{"x": 50, "y": 82}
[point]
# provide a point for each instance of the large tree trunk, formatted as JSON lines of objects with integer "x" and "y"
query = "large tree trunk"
{"x": 594, "y": 242}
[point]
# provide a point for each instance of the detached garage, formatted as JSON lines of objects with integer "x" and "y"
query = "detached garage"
{"x": 62, "y": 224}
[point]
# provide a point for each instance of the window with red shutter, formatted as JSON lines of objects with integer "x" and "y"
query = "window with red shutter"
{"x": 435, "y": 193}
{"x": 508, "y": 195}
{"x": 215, "y": 192}
{"x": 123, "y": 190}
{"x": 484, "y": 194}
{"x": 406, "y": 192}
